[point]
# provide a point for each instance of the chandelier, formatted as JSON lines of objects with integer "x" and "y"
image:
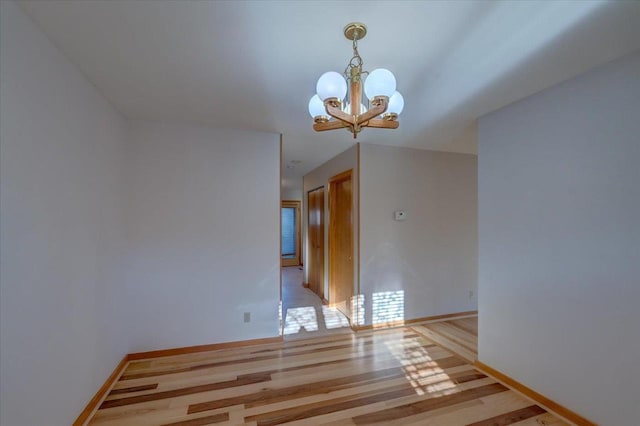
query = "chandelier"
{"x": 329, "y": 109}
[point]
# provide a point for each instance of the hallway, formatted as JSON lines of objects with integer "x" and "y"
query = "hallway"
{"x": 305, "y": 315}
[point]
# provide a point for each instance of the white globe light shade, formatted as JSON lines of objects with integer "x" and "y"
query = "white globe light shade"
{"x": 331, "y": 85}
{"x": 316, "y": 107}
{"x": 380, "y": 82}
{"x": 396, "y": 103}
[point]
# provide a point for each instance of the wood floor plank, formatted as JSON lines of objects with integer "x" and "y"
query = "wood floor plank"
{"x": 457, "y": 334}
{"x": 511, "y": 417}
{"x": 466, "y": 325}
{"x": 346, "y": 415}
{"x": 429, "y": 404}
{"x": 446, "y": 342}
{"x": 184, "y": 401}
{"x": 342, "y": 350}
{"x": 347, "y": 394}
{"x": 134, "y": 389}
{"x": 392, "y": 394}
{"x": 249, "y": 353}
{"x": 256, "y": 367}
{"x": 312, "y": 410}
{"x": 240, "y": 381}
{"x": 358, "y": 392}
{"x": 270, "y": 395}
{"x": 216, "y": 418}
{"x": 542, "y": 420}
{"x": 466, "y": 412}
{"x": 133, "y": 413}
{"x": 418, "y": 375}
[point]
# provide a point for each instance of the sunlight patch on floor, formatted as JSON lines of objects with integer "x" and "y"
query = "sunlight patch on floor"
{"x": 422, "y": 371}
{"x": 300, "y": 318}
{"x": 333, "y": 318}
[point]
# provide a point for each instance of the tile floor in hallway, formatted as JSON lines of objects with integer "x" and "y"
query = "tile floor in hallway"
{"x": 304, "y": 314}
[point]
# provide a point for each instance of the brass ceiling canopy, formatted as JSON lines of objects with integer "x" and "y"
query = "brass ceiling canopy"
{"x": 355, "y": 31}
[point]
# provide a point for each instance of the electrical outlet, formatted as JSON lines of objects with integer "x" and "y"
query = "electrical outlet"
{"x": 247, "y": 317}
{"x": 470, "y": 294}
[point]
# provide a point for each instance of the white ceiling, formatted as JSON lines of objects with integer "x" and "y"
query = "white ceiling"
{"x": 254, "y": 64}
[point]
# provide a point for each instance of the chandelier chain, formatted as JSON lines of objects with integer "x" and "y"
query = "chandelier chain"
{"x": 355, "y": 62}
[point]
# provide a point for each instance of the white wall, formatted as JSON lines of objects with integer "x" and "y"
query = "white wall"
{"x": 203, "y": 235}
{"x": 430, "y": 259}
{"x": 559, "y": 254}
{"x": 291, "y": 194}
{"x": 62, "y": 326}
{"x": 320, "y": 177}
{"x": 291, "y": 189}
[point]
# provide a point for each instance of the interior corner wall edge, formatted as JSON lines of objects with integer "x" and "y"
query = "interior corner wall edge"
{"x": 203, "y": 234}
{"x": 425, "y": 265}
{"x": 559, "y": 253}
{"x": 62, "y": 221}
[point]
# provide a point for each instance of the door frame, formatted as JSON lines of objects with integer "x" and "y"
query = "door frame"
{"x": 296, "y": 260}
{"x": 310, "y": 250}
{"x": 333, "y": 181}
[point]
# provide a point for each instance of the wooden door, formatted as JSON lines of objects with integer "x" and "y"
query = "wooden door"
{"x": 341, "y": 241}
{"x": 315, "y": 229}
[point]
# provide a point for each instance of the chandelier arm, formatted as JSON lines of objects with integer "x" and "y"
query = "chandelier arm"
{"x": 329, "y": 125}
{"x": 337, "y": 113}
{"x": 382, "y": 124}
{"x": 373, "y": 112}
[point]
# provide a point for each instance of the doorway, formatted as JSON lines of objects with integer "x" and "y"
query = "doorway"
{"x": 315, "y": 257}
{"x": 341, "y": 267}
{"x": 290, "y": 233}
{"x": 305, "y": 310}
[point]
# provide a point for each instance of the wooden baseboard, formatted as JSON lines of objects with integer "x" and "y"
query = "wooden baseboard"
{"x": 305, "y": 285}
{"x": 202, "y": 348}
{"x": 542, "y": 400}
{"x": 412, "y": 321}
{"x": 325, "y": 301}
{"x": 102, "y": 392}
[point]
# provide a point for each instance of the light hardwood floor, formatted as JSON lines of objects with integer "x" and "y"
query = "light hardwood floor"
{"x": 458, "y": 335}
{"x": 394, "y": 376}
